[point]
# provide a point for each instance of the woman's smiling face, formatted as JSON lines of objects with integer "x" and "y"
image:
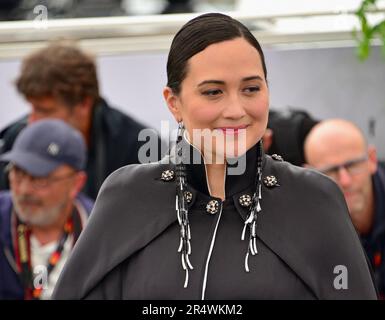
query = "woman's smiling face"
{"x": 224, "y": 91}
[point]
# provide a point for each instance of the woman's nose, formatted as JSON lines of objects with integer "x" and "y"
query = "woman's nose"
{"x": 234, "y": 108}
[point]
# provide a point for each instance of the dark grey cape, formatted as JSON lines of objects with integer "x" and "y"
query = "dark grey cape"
{"x": 129, "y": 248}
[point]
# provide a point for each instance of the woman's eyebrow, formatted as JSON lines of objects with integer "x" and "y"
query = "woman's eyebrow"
{"x": 222, "y": 82}
{"x": 252, "y": 78}
{"x": 211, "y": 81}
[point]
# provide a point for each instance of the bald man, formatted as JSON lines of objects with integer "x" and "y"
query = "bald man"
{"x": 338, "y": 149}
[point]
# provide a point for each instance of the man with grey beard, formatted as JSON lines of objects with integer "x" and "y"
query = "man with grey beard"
{"x": 43, "y": 214}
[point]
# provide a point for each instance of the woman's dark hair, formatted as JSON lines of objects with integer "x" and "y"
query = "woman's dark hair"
{"x": 196, "y": 35}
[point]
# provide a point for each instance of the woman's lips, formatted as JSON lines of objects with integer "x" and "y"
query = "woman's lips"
{"x": 232, "y": 130}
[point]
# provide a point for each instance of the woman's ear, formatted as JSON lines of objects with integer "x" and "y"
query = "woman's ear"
{"x": 173, "y": 103}
{"x": 267, "y": 139}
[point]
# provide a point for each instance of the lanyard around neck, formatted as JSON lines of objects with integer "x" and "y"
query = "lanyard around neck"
{"x": 23, "y": 252}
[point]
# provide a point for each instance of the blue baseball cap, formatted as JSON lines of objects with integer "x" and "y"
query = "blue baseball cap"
{"x": 46, "y": 144}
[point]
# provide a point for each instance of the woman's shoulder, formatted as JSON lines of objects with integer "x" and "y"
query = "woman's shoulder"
{"x": 132, "y": 198}
{"x": 129, "y": 173}
{"x": 304, "y": 177}
{"x": 306, "y": 220}
{"x": 305, "y": 195}
{"x": 129, "y": 189}
{"x": 135, "y": 177}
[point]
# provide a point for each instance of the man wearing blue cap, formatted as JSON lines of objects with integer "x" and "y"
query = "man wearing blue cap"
{"x": 60, "y": 81}
{"x": 42, "y": 215}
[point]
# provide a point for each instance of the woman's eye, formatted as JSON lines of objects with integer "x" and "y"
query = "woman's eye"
{"x": 252, "y": 89}
{"x": 212, "y": 92}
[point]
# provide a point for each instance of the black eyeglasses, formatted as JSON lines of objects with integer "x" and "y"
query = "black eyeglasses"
{"x": 353, "y": 167}
{"x": 16, "y": 175}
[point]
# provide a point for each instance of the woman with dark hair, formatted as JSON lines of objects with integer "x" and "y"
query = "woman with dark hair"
{"x": 217, "y": 219}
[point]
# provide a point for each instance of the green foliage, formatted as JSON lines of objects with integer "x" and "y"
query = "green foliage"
{"x": 368, "y": 32}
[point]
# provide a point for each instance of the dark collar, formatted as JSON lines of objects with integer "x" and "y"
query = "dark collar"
{"x": 378, "y": 229}
{"x": 103, "y": 118}
{"x": 234, "y": 183}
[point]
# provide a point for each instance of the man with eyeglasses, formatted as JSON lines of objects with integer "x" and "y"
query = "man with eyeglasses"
{"x": 43, "y": 214}
{"x": 60, "y": 82}
{"x": 338, "y": 149}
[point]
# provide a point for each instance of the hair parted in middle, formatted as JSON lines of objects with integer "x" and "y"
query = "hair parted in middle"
{"x": 198, "y": 34}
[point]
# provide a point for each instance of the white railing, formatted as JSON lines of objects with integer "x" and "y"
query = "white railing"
{"x": 112, "y": 35}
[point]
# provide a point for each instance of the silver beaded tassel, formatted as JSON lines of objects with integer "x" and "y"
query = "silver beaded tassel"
{"x": 255, "y": 209}
{"x": 182, "y": 208}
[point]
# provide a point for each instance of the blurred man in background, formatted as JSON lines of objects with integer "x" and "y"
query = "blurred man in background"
{"x": 338, "y": 149}
{"x": 60, "y": 81}
{"x": 286, "y": 132}
{"x": 43, "y": 214}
